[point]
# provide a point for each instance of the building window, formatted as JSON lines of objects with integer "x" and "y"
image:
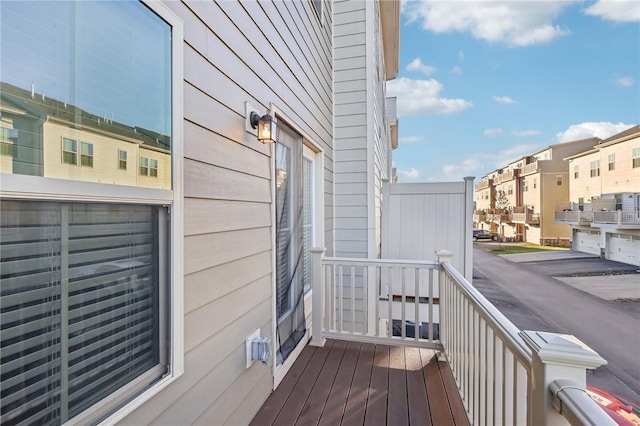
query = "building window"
{"x": 6, "y": 144}
{"x": 612, "y": 161}
{"x": 153, "y": 167}
{"x": 69, "y": 151}
{"x": 581, "y": 203}
{"x": 594, "y": 168}
{"x": 86, "y": 154}
{"x": 88, "y": 274}
{"x": 618, "y": 201}
{"x": 535, "y": 183}
{"x": 576, "y": 171}
{"x": 525, "y": 185}
{"x": 559, "y": 180}
{"x": 510, "y": 190}
{"x": 122, "y": 159}
{"x": 636, "y": 158}
{"x": 144, "y": 166}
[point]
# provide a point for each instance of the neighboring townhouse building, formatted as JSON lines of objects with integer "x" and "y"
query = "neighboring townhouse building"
{"x": 131, "y": 303}
{"x": 519, "y": 200}
{"x": 366, "y": 55}
{"x": 95, "y": 150}
{"x": 544, "y": 183}
{"x": 484, "y": 192}
{"x": 603, "y": 207}
{"x": 507, "y": 195}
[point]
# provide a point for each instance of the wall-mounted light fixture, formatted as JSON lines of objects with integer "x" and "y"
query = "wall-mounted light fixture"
{"x": 266, "y": 127}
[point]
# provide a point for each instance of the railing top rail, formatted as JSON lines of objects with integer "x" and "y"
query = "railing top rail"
{"x": 425, "y": 264}
{"x": 505, "y": 328}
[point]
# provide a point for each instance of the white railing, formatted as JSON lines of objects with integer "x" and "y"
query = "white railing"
{"x": 574, "y": 216}
{"x": 504, "y": 375}
{"x": 488, "y": 358}
{"x": 617, "y": 217}
{"x": 391, "y": 302}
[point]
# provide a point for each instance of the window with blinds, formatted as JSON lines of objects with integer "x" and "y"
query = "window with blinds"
{"x": 81, "y": 294}
{"x": 86, "y": 320}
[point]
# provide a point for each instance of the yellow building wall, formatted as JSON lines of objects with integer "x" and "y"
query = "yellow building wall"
{"x": 105, "y": 159}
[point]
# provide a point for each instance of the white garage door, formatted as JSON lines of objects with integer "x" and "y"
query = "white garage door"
{"x": 586, "y": 241}
{"x": 624, "y": 248}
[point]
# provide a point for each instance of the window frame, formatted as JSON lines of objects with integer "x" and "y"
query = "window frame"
{"x": 635, "y": 158}
{"x": 559, "y": 180}
{"x": 27, "y": 187}
{"x": 122, "y": 159}
{"x": 611, "y": 159}
{"x": 73, "y": 150}
{"x": 88, "y": 155}
{"x": 594, "y": 168}
{"x": 576, "y": 171}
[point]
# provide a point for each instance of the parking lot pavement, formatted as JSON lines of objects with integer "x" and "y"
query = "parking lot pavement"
{"x": 603, "y": 278}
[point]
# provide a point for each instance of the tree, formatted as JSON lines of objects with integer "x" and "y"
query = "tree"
{"x": 502, "y": 203}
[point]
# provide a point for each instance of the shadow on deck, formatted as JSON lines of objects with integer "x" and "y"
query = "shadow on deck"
{"x": 352, "y": 383}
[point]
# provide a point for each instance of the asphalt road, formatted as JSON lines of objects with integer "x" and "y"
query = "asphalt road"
{"x": 532, "y": 299}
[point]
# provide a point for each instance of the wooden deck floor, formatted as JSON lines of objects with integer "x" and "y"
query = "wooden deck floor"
{"x": 350, "y": 383}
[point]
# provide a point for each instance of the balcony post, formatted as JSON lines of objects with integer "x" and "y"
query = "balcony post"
{"x": 555, "y": 356}
{"x": 317, "y": 295}
{"x": 446, "y": 314}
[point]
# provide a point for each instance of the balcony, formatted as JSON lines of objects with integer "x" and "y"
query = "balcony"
{"x": 479, "y": 216}
{"x": 573, "y": 217}
{"x": 499, "y": 216}
{"x": 525, "y": 215}
{"x": 484, "y": 183}
{"x": 368, "y": 362}
{"x": 618, "y": 219}
{"x": 506, "y": 176}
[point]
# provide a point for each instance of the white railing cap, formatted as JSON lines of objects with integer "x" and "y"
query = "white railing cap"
{"x": 554, "y": 348}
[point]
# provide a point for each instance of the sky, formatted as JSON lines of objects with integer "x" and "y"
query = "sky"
{"x": 482, "y": 83}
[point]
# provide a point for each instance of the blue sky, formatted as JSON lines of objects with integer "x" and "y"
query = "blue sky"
{"x": 482, "y": 83}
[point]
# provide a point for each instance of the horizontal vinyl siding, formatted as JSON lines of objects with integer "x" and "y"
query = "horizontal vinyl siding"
{"x": 351, "y": 128}
{"x": 256, "y": 52}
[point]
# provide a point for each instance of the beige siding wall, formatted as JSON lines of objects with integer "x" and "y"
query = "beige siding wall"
{"x": 584, "y": 186}
{"x": 256, "y": 52}
{"x": 105, "y": 158}
{"x": 623, "y": 178}
{"x": 553, "y": 194}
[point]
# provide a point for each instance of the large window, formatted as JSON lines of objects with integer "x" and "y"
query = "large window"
{"x": 89, "y": 271}
{"x": 594, "y": 168}
{"x": 612, "y": 161}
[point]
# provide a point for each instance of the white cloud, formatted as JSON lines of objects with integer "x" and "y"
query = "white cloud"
{"x": 514, "y": 23}
{"x": 412, "y": 174}
{"x": 522, "y": 133}
{"x": 492, "y": 132}
{"x": 467, "y": 167}
{"x": 504, "y": 100}
{"x": 601, "y": 130}
{"x": 615, "y": 10}
{"x": 624, "y": 81}
{"x": 456, "y": 70}
{"x": 417, "y": 65}
{"x": 411, "y": 139}
{"x": 420, "y": 97}
{"x": 461, "y": 55}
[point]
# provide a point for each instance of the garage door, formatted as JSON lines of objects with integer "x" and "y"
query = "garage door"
{"x": 624, "y": 248}
{"x": 586, "y": 241}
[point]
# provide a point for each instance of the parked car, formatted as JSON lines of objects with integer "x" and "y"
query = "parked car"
{"x": 483, "y": 234}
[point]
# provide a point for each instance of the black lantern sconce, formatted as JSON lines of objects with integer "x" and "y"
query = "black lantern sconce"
{"x": 266, "y": 127}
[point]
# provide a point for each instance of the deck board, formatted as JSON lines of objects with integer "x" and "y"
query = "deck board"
{"x": 348, "y": 383}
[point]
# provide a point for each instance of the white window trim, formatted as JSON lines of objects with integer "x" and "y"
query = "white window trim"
{"x": 279, "y": 372}
{"x": 50, "y": 189}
